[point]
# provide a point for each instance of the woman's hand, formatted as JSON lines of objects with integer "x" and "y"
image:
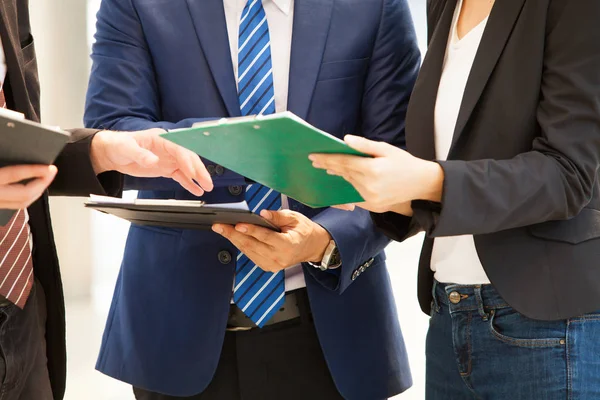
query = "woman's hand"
{"x": 389, "y": 180}
{"x": 403, "y": 208}
{"x": 400, "y": 208}
{"x": 21, "y": 185}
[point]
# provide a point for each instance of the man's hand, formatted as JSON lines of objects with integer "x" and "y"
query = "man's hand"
{"x": 300, "y": 240}
{"x": 146, "y": 154}
{"x": 15, "y": 195}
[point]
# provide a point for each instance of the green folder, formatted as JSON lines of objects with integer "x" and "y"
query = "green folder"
{"x": 273, "y": 150}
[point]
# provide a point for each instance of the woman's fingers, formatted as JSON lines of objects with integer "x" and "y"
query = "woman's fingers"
{"x": 17, "y": 195}
{"x": 19, "y": 173}
{"x": 370, "y": 147}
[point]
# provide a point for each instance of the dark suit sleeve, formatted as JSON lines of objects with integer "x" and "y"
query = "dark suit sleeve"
{"x": 76, "y": 177}
{"x": 392, "y": 74}
{"x": 397, "y": 227}
{"x": 555, "y": 180}
{"x": 123, "y": 93}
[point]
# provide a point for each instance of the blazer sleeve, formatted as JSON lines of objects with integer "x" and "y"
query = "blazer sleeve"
{"x": 123, "y": 94}
{"x": 392, "y": 74}
{"x": 556, "y": 179}
{"x": 396, "y": 226}
{"x": 76, "y": 177}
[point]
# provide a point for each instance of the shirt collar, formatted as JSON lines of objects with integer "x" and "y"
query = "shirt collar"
{"x": 283, "y": 5}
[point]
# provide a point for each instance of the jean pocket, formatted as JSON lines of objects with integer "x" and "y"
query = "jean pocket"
{"x": 513, "y": 328}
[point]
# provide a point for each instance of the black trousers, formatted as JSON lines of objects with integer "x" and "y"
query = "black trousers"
{"x": 280, "y": 361}
{"x": 23, "y": 362}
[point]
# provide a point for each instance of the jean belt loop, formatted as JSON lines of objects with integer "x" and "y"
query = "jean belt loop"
{"x": 480, "y": 305}
{"x": 435, "y": 305}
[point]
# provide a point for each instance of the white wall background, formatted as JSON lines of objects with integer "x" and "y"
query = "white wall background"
{"x": 91, "y": 245}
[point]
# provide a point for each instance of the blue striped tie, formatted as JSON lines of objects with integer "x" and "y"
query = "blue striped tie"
{"x": 258, "y": 293}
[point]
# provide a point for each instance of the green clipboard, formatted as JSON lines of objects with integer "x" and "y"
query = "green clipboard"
{"x": 273, "y": 150}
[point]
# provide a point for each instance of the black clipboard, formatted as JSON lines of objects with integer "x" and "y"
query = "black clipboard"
{"x": 27, "y": 142}
{"x": 179, "y": 214}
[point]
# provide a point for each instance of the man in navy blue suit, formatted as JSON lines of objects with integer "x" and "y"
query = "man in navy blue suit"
{"x": 307, "y": 313}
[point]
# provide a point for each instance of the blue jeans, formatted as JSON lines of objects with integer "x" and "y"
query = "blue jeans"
{"x": 478, "y": 347}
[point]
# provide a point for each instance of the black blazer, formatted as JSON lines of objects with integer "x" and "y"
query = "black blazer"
{"x": 75, "y": 176}
{"x": 522, "y": 173}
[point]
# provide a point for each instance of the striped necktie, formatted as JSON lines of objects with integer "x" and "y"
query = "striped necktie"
{"x": 16, "y": 266}
{"x": 258, "y": 293}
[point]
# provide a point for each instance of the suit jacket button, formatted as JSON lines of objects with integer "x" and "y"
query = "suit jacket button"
{"x": 235, "y": 190}
{"x": 363, "y": 269}
{"x": 224, "y": 257}
{"x": 211, "y": 169}
{"x": 219, "y": 170}
{"x": 355, "y": 275}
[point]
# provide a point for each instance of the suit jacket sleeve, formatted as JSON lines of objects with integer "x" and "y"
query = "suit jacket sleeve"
{"x": 123, "y": 93}
{"x": 556, "y": 179}
{"x": 76, "y": 177}
{"x": 392, "y": 74}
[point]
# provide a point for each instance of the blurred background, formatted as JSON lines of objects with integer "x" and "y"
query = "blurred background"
{"x": 91, "y": 245}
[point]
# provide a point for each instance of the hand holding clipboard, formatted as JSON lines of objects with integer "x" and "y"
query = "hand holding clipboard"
{"x": 27, "y": 150}
{"x": 273, "y": 150}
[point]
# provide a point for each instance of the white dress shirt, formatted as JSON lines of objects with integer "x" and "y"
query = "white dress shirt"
{"x": 280, "y": 18}
{"x": 454, "y": 259}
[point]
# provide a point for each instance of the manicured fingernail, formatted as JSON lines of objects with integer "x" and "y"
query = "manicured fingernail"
{"x": 217, "y": 228}
{"x": 266, "y": 214}
{"x": 241, "y": 228}
{"x": 316, "y": 165}
{"x": 312, "y": 157}
{"x": 350, "y": 139}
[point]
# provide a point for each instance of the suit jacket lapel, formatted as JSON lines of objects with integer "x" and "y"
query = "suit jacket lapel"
{"x": 311, "y": 27}
{"x": 420, "y": 117}
{"x": 10, "y": 44}
{"x": 499, "y": 27}
{"x": 211, "y": 27}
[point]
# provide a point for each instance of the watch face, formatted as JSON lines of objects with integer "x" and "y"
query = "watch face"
{"x": 335, "y": 258}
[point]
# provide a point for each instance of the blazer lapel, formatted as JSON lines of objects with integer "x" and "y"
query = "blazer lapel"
{"x": 311, "y": 27}
{"x": 211, "y": 27}
{"x": 10, "y": 45}
{"x": 499, "y": 27}
{"x": 421, "y": 109}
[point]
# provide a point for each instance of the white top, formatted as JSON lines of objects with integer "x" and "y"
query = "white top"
{"x": 280, "y": 17}
{"x": 454, "y": 259}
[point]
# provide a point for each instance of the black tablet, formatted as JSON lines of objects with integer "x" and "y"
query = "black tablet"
{"x": 179, "y": 214}
{"x": 27, "y": 142}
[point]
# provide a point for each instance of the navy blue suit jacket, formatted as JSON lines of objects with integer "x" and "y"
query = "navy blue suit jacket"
{"x": 167, "y": 64}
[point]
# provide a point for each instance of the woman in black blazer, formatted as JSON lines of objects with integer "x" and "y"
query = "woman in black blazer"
{"x": 503, "y": 134}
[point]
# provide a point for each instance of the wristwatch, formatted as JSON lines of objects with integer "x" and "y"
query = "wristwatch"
{"x": 331, "y": 258}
